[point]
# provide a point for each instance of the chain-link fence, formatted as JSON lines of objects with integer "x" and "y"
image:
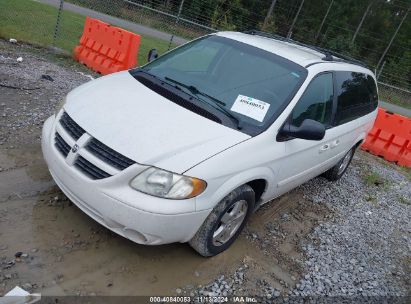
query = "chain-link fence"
{"x": 173, "y": 21}
{"x": 393, "y": 94}
{"x": 168, "y": 16}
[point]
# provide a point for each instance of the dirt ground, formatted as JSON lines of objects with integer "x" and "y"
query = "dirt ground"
{"x": 64, "y": 252}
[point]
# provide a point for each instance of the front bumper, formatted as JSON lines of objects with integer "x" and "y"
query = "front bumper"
{"x": 111, "y": 202}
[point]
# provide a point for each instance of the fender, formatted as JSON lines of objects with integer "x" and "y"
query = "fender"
{"x": 221, "y": 190}
{"x": 366, "y": 124}
{"x": 361, "y": 138}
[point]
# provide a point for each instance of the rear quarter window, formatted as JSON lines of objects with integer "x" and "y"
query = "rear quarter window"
{"x": 356, "y": 96}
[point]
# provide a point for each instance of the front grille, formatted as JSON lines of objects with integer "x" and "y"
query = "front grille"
{"x": 89, "y": 169}
{"x": 108, "y": 155}
{"x": 71, "y": 126}
{"x": 95, "y": 147}
{"x": 61, "y": 145}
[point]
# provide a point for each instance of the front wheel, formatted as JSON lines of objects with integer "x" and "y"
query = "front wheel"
{"x": 336, "y": 172}
{"x": 225, "y": 223}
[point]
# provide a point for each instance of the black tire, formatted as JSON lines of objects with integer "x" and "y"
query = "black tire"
{"x": 202, "y": 241}
{"x": 334, "y": 173}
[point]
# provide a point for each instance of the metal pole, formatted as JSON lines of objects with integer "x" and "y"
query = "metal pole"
{"x": 295, "y": 20}
{"x": 322, "y": 22}
{"x": 269, "y": 13}
{"x": 362, "y": 21}
{"x": 380, "y": 71}
{"x": 57, "y": 27}
{"x": 392, "y": 38}
{"x": 177, "y": 19}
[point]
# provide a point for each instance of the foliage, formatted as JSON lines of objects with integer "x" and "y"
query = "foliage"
{"x": 380, "y": 23}
{"x": 373, "y": 179}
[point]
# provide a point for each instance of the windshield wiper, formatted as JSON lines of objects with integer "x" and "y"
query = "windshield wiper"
{"x": 220, "y": 105}
{"x": 194, "y": 90}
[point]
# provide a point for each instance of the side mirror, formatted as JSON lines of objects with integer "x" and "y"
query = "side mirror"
{"x": 152, "y": 54}
{"x": 309, "y": 129}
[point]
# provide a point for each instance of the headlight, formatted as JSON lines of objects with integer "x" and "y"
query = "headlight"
{"x": 59, "y": 105}
{"x": 166, "y": 184}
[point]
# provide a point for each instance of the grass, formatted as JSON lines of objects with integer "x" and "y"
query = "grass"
{"x": 404, "y": 200}
{"x": 370, "y": 198}
{"x": 373, "y": 179}
{"x": 391, "y": 97}
{"x": 34, "y": 22}
{"x": 406, "y": 171}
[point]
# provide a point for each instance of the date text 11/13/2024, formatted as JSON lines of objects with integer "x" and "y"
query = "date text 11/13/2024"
{"x": 203, "y": 299}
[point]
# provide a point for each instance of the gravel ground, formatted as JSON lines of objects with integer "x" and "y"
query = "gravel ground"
{"x": 365, "y": 250}
{"x": 44, "y": 79}
{"x": 348, "y": 240}
{"x": 362, "y": 253}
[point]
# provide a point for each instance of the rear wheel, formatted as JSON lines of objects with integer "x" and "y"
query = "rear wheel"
{"x": 225, "y": 223}
{"x": 336, "y": 172}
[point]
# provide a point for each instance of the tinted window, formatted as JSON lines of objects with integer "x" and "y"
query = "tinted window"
{"x": 372, "y": 88}
{"x": 316, "y": 102}
{"x": 357, "y": 96}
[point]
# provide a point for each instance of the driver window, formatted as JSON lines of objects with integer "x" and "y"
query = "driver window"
{"x": 316, "y": 102}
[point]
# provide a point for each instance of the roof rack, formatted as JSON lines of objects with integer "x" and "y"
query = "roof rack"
{"x": 329, "y": 54}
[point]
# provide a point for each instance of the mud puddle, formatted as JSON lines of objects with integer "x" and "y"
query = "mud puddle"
{"x": 23, "y": 173}
{"x": 69, "y": 253}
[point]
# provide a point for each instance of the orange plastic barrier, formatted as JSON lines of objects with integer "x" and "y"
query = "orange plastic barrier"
{"x": 107, "y": 49}
{"x": 390, "y": 138}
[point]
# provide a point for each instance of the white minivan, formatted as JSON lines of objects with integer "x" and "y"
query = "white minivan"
{"x": 188, "y": 146}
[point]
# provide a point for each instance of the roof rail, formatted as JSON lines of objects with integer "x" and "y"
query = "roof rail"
{"x": 329, "y": 54}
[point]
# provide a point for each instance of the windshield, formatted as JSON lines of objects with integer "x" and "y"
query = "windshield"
{"x": 249, "y": 84}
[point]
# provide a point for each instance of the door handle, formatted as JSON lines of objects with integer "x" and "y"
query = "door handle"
{"x": 324, "y": 148}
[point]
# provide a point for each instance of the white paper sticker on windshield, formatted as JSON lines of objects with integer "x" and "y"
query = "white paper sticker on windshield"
{"x": 251, "y": 107}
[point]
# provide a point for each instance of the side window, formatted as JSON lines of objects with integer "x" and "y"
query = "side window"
{"x": 372, "y": 88}
{"x": 357, "y": 96}
{"x": 316, "y": 102}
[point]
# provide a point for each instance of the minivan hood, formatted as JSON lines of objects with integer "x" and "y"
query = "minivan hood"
{"x": 144, "y": 126}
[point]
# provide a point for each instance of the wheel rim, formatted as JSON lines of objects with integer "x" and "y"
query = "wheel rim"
{"x": 230, "y": 222}
{"x": 344, "y": 163}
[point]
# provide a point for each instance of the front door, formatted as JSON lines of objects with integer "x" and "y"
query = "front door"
{"x": 306, "y": 159}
